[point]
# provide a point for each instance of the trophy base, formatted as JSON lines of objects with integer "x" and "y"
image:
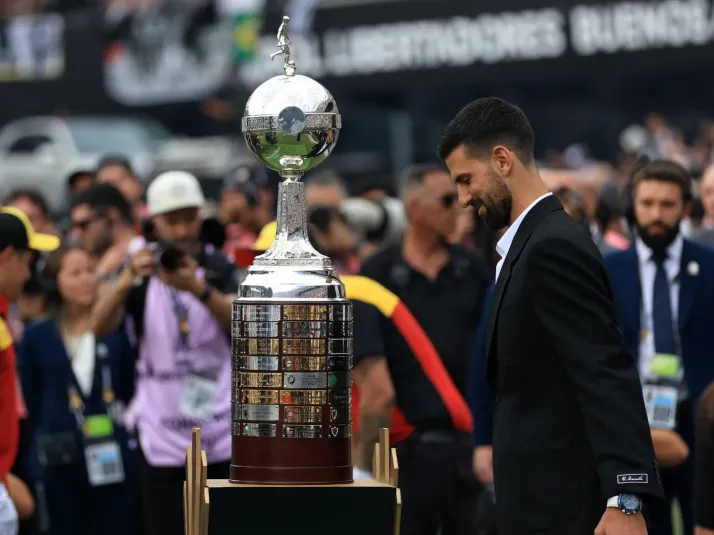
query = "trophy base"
{"x": 260, "y": 475}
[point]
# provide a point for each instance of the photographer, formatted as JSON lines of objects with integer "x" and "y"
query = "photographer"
{"x": 177, "y": 295}
{"x": 332, "y": 235}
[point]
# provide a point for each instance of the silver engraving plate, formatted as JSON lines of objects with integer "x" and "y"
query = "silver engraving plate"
{"x": 303, "y": 347}
{"x": 305, "y": 329}
{"x": 260, "y": 413}
{"x": 303, "y": 397}
{"x": 237, "y": 312}
{"x": 339, "y": 379}
{"x": 235, "y": 395}
{"x": 260, "y": 329}
{"x": 341, "y": 312}
{"x": 304, "y": 380}
{"x": 339, "y": 431}
{"x": 259, "y": 363}
{"x": 259, "y": 397}
{"x": 339, "y": 346}
{"x": 235, "y": 429}
{"x": 259, "y": 430}
{"x": 340, "y": 397}
{"x": 304, "y": 364}
{"x": 340, "y": 415}
{"x": 236, "y": 329}
{"x": 259, "y": 346}
{"x": 339, "y": 363}
{"x": 302, "y": 415}
{"x": 305, "y": 312}
{"x": 302, "y": 431}
{"x": 261, "y": 312}
{"x": 260, "y": 380}
{"x": 340, "y": 329}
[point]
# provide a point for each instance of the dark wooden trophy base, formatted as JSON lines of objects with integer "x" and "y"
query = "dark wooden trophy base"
{"x": 364, "y": 506}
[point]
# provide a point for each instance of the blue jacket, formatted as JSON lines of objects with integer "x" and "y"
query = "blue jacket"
{"x": 695, "y": 315}
{"x": 46, "y": 374}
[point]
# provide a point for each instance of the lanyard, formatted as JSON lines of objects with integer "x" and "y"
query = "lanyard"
{"x": 181, "y": 315}
{"x": 76, "y": 404}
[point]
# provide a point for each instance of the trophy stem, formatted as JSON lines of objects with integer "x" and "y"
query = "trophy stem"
{"x": 292, "y": 245}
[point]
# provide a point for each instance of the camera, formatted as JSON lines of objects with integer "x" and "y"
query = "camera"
{"x": 169, "y": 258}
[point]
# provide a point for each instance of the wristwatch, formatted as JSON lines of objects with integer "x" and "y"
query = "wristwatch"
{"x": 629, "y": 504}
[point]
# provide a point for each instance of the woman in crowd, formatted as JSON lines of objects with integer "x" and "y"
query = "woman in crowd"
{"x": 75, "y": 389}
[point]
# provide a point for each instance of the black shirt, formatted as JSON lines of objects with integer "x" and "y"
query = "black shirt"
{"x": 448, "y": 309}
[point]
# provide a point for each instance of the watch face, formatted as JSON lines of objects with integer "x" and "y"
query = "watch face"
{"x": 630, "y": 503}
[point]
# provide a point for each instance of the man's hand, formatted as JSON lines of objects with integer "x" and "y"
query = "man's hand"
{"x": 142, "y": 263}
{"x": 184, "y": 278}
{"x": 615, "y": 522}
{"x": 112, "y": 260}
{"x": 483, "y": 464}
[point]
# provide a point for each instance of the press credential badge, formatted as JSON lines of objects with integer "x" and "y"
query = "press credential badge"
{"x": 199, "y": 395}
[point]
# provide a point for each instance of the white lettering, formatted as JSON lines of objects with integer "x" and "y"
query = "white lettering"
{"x": 632, "y": 26}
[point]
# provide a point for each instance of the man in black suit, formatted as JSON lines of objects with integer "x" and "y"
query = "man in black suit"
{"x": 572, "y": 451}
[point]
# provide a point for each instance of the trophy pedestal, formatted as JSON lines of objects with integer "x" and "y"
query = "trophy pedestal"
{"x": 364, "y": 506}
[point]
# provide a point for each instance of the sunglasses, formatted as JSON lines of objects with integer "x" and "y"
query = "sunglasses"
{"x": 448, "y": 200}
{"x": 83, "y": 224}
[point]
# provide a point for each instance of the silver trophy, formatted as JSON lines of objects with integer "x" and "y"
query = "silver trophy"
{"x": 292, "y": 323}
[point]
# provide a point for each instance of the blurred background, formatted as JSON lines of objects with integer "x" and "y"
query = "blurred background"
{"x": 120, "y": 91}
{"x": 165, "y": 81}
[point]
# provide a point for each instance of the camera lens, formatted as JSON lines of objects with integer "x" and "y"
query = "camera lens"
{"x": 170, "y": 258}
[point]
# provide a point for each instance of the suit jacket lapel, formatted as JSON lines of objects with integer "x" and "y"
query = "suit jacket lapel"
{"x": 630, "y": 289}
{"x": 526, "y": 228}
{"x": 688, "y": 279}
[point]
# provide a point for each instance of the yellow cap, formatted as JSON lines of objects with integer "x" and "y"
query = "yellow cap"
{"x": 29, "y": 238}
{"x": 266, "y": 237}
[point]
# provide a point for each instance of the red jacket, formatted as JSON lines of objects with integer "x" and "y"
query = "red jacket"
{"x": 9, "y": 417}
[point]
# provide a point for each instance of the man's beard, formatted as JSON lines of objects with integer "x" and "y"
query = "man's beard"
{"x": 497, "y": 207}
{"x": 658, "y": 242}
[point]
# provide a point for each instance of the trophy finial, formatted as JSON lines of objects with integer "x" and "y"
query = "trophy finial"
{"x": 284, "y": 47}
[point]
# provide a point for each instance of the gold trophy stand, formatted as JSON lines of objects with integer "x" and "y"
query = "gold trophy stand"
{"x": 365, "y": 506}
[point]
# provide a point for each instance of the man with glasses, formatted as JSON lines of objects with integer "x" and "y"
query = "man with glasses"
{"x": 443, "y": 286}
{"x": 101, "y": 220}
{"x": 324, "y": 194}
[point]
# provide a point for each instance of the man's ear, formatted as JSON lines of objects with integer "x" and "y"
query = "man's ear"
{"x": 502, "y": 160}
{"x": 6, "y": 254}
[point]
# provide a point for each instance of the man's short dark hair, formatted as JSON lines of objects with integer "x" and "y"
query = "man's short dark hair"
{"x": 665, "y": 171}
{"x": 101, "y": 198}
{"x": 34, "y": 196}
{"x": 115, "y": 160}
{"x": 485, "y": 123}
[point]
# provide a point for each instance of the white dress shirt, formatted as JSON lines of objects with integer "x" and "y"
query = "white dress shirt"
{"x": 648, "y": 269}
{"x": 82, "y": 358}
{"x": 504, "y": 244}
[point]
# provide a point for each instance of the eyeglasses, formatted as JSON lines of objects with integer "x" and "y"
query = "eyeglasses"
{"x": 83, "y": 224}
{"x": 448, "y": 200}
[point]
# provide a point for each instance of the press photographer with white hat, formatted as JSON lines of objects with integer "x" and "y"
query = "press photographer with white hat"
{"x": 176, "y": 294}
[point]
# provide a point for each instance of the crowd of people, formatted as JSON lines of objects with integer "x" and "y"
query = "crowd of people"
{"x": 119, "y": 312}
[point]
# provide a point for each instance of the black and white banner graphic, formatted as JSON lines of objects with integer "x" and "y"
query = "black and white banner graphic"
{"x": 32, "y": 48}
{"x": 490, "y": 38}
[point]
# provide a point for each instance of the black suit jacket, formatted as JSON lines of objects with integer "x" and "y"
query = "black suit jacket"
{"x": 570, "y": 427}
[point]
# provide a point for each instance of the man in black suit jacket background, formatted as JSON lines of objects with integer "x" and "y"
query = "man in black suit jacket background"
{"x": 572, "y": 447}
